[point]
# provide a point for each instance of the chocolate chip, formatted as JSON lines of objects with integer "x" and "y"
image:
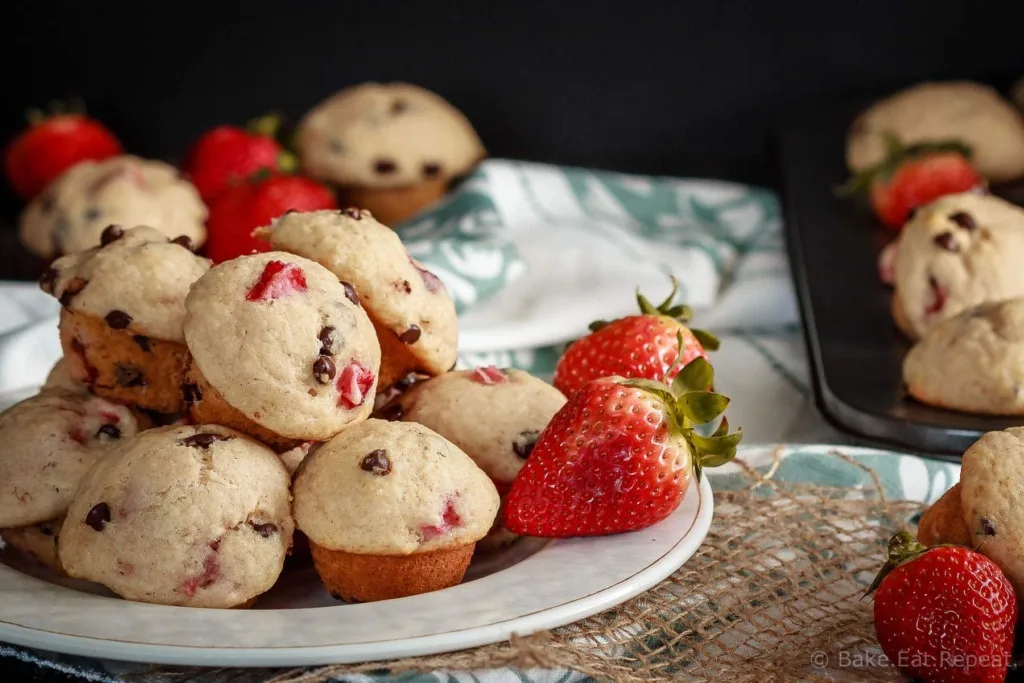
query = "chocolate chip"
{"x": 324, "y": 370}
{"x": 350, "y": 293}
{"x": 111, "y": 233}
{"x": 46, "y": 280}
{"x": 336, "y": 146}
{"x": 398, "y": 106}
{"x": 71, "y": 291}
{"x": 184, "y": 241}
{"x": 988, "y": 527}
{"x": 403, "y": 286}
{"x": 391, "y": 413}
{"x": 98, "y": 516}
{"x": 411, "y": 335}
{"x": 524, "y": 442}
{"x": 385, "y": 166}
{"x": 203, "y": 440}
{"x": 326, "y": 338}
{"x": 128, "y": 375}
{"x": 142, "y": 340}
{"x": 191, "y": 393}
{"x": 353, "y": 212}
{"x": 376, "y": 462}
{"x": 110, "y": 431}
{"x": 92, "y": 214}
{"x": 118, "y": 320}
{"x": 46, "y": 529}
{"x": 431, "y": 170}
{"x": 963, "y": 219}
{"x": 266, "y": 530}
{"x": 946, "y": 241}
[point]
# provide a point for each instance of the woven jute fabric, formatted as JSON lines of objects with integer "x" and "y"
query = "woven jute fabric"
{"x": 775, "y": 593}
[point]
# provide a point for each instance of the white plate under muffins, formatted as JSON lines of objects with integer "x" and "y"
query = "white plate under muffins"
{"x": 532, "y": 585}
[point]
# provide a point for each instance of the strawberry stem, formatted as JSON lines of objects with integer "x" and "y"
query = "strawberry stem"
{"x": 903, "y": 547}
{"x": 268, "y": 125}
{"x": 896, "y": 154}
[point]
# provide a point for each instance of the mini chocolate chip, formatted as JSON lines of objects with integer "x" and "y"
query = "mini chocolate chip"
{"x": 404, "y": 286}
{"x": 142, "y": 340}
{"x": 92, "y": 213}
{"x": 118, "y": 320}
{"x": 411, "y": 335}
{"x": 336, "y": 146}
{"x": 46, "y": 529}
{"x": 524, "y": 443}
{"x": 988, "y": 527}
{"x": 398, "y": 106}
{"x": 98, "y": 516}
{"x": 71, "y": 291}
{"x": 353, "y": 212}
{"x": 385, "y": 166}
{"x": 326, "y": 338}
{"x": 391, "y": 413}
{"x": 350, "y": 293}
{"x": 184, "y": 241}
{"x": 266, "y": 530}
{"x": 111, "y": 431}
{"x": 128, "y": 375}
{"x": 963, "y": 219}
{"x": 324, "y": 370}
{"x": 946, "y": 241}
{"x": 204, "y": 440}
{"x": 431, "y": 170}
{"x": 376, "y": 462}
{"x": 111, "y": 233}
{"x": 191, "y": 393}
{"x": 46, "y": 280}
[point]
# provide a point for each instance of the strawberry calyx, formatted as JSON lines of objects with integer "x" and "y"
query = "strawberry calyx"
{"x": 903, "y": 548}
{"x": 73, "y": 107}
{"x": 269, "y": 126}
{"x": 896, "y": 155}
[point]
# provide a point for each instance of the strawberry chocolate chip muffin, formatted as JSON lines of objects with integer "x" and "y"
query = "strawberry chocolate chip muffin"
{"x": 391, "y": 509}
{"x": 955, "y": 253}
{"x": 73, "y": 212}
{"x": 410, "y": 309}
{"x": 495, "y": 416}
{"x": 392, "y": 148}
{"x": 193, "y": 516}
{"x": 121, "y": 322}
{"x": 281, "y": 350}
{"x": 50, "y": 442}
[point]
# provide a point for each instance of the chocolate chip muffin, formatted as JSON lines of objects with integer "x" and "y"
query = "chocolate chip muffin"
{"x": 72, "y": 213}
{"x": 192, "y": 516}
{"x": 391, "y": 509}
{"x": 123, "y": 304}
{"x": 495, "y": 416}
{"x": 38, "y": 542}
{"x": 392, "y": 148}
{"x": 955, "y": 253}
{"x": 280, "y": 350}
{"x": 410, "y": 309}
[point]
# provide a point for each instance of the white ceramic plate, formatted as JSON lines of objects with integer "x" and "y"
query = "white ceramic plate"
{"x": 534, "y": 585}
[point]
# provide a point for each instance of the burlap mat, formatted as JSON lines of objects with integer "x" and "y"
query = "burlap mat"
{"x": 774, "y": 593}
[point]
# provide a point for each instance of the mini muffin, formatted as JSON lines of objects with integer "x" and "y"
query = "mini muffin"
{"x": 495, "y": 416}
{"x": 410, "y": 309}
{"x": 123, "y": 304}
{"x": 971, "y": 113}
{"x": 391, "y": 148}
{"x": 37, "y": 542}
{"x": 192, "y": 516}
{"x": 280, "y": 350}
{"x": 391, "y": 509}
{"x": 955, "y": 253}
{"x": 72, "y": 213}
{"x": 943, "y": 522}
{"x": 50, "y": 442}
{"x": 972, "y": 363}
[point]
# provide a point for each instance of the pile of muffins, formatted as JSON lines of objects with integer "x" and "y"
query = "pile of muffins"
{"x": 206, "y": 423}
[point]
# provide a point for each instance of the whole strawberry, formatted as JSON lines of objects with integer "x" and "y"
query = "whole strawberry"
{"x": 227, "y": 155}
{"x": 619, "y": 456}
{"x": 637, "y": 346}
{"x": 52, "y": 145}
{"x": 256, "y": 203}
{"x": 945, "y": 614}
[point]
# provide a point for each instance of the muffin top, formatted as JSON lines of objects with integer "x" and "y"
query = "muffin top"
{"x": 72, "y": 213}
{"x": 196, "y": 516}
{"x": 50, "y": 442}
{"x": 397, "y": 292}
{"x": 285, "y": 343}
{"x": 392, "y": 488}
{"x": 136, "y": 280}
{"x": 386, "y": 135}
{"x": 494, "y": 415}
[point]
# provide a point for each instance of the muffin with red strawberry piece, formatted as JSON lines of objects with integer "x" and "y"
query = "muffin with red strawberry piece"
{"x": 410, "y": 309}
{"x": 495, "y": 416}
{"x": 123, "y": 304}
{"x": 72, "y": 213}
{"x": 391, "y": 148}
{"x": 391, "y": 509}
{"x": 281, "y": 350}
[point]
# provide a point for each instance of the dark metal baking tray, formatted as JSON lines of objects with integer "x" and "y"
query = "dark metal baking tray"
{"x": 855, "y": 351}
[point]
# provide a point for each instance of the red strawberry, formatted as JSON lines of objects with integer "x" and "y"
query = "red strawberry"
{"x": 638, "y": 346}
{"x": 619, "y": 456}
{"x": 946, "y": 614}
{"x": 277, "y": 280}
{"x": 52, "y": 145}
{"x": 913, "y": 176}
{"x": 227, "y": 155}
{"x": 254, "y": 204}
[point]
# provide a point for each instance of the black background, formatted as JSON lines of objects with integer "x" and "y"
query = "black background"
{"x": 682, "y": 88}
